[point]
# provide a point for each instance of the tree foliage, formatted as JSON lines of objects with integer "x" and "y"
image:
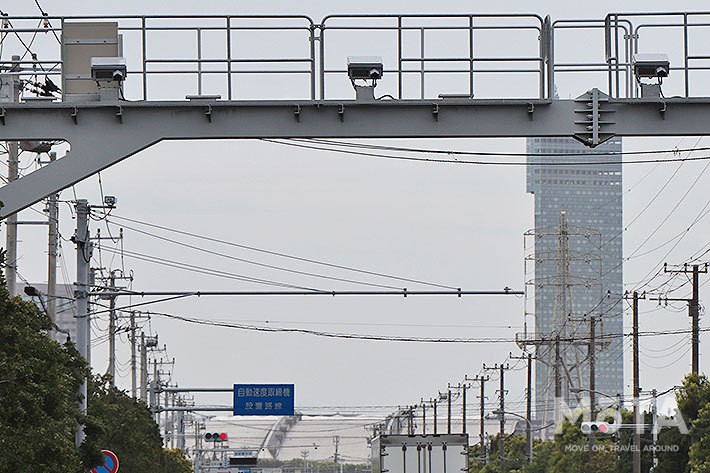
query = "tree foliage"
{"x": 125, "y": 426}
{"x": 174, "y": 461}
{"x": 39, "y": 381}
{"x": 39, "y": 405}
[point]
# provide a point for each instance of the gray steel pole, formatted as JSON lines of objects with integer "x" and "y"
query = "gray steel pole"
{"x": 53, "y": 238}
{"x": 81, "y": 295}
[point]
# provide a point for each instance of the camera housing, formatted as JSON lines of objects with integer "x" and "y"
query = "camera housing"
{"x": 653, "y": 65}
{"x": 365, "y": 67}
{"x": 108, "y": 68}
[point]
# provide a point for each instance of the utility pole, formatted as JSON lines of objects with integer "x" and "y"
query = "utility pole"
{"x": 52, "y": 243}
{"x": 435, "y": 419}
{"x": 133, "y": 355}
{"x": 654, "y": 433}
{"x": 12, "y": 175}
{"x": 144, "y": 371}
{"x": 637, "y": 413}
{"x": 112, "y": 332}
{"x": 528, "y": 405}
{"x": 81, "y": 295}
{"x": 558, "y": 378}
{"x": 448, "y": 414}
{"x": 501, "y": 436}
{"x": 423, "y": 418}
{"x": 410, "y": 421}
{"x": 336, "y": 440}
{"x": 464, "y": 387}
{"x": 481, "y": 380}
{"x": 693, "y": 309}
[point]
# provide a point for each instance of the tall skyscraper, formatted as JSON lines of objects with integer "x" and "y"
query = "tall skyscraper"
{"x": 577, "y": 269}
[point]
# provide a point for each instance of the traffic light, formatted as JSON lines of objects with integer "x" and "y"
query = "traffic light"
{"x": 216, "y": 436}
{"x": 599, "y": 428}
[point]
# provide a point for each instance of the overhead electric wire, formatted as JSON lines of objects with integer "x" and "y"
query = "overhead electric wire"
{"x": 675, "y": 207}
{"x": 485, "y": 163}
{"x": 371, "y": 337}
{"x": 492, "y": 153}
{"x": 209, "y": 271}
{"x": 283, "y": 255}
{"x": 258, "y": 263}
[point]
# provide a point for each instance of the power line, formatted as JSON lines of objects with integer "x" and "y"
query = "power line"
{"x": 488, "y": 163}
{"x": 208, "y": 271}
{"x": 387, "y": 338}
{"x": 258, "y": 263}
{"x": 283, "y": 255}
{"x": 350, "y": 144}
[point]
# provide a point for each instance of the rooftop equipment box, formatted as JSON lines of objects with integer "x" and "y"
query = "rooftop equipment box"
{"x": 444, "y": 453}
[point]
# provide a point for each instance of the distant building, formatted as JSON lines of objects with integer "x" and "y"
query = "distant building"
{"x": 590, "y": 196}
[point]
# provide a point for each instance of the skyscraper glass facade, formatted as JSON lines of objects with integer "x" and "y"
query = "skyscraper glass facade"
{"x": 578, "y": 275}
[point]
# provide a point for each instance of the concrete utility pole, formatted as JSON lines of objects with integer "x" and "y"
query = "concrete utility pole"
{"x": 81, "y": 295}
{"x": 423, "y": 417}
{"x": 481, "y": 380}
{"x": 693, "y": 309}
{"x": 558, "y": 378}
{"x": 112, "y": 332}
{"x": 528, "y": 405}
{"x": 336, "y": 457}
{"x": 448, "y": 411}
{"x": 52, "y": 244}
{"x": 464, "y": 387}
{"x": 501, "y": 435}
{"x": 133, "y": 355}
{"x": 12, "y": 175}
{"x": 436, "y": 421}
{"x": 637, "y": 413}
{"x": 144, "y": 371}
{"x": 654, "y": 433}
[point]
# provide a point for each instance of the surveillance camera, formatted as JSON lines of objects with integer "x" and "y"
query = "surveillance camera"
{"x": 365, "y": 67}
{"x": 108, "y": 68}
{"x": 110, "y": 200}
{"x": 651, "y": 65}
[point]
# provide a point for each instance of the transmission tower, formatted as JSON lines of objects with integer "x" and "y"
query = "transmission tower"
{"x": 566, "y": 285}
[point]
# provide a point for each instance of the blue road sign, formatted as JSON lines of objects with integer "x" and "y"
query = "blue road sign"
{"x": 109, "y": 465}
{"x": 263, "y": 399}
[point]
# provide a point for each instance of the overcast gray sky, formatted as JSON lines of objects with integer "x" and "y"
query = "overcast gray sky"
{"x": 456, "y": 225}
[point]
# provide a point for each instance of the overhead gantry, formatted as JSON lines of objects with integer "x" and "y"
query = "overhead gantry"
{"x": 104, "y": 128}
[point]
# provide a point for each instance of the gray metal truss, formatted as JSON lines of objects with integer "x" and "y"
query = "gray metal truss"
{"x": 102, "y": 134}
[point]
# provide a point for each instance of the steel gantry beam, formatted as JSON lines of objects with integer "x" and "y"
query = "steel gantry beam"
{"x": 103, "y": 133}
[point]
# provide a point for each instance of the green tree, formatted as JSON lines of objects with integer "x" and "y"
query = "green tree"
{"x": 125, "y": 426}
{"x": 174, "y": 461}
{"x": 687, "y": 453}
{"x": 39, "y": 381}
{"x": 515, "y": 457}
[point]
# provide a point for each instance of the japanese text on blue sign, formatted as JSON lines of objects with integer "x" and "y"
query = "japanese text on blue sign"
{"x": 263, "y": 399}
